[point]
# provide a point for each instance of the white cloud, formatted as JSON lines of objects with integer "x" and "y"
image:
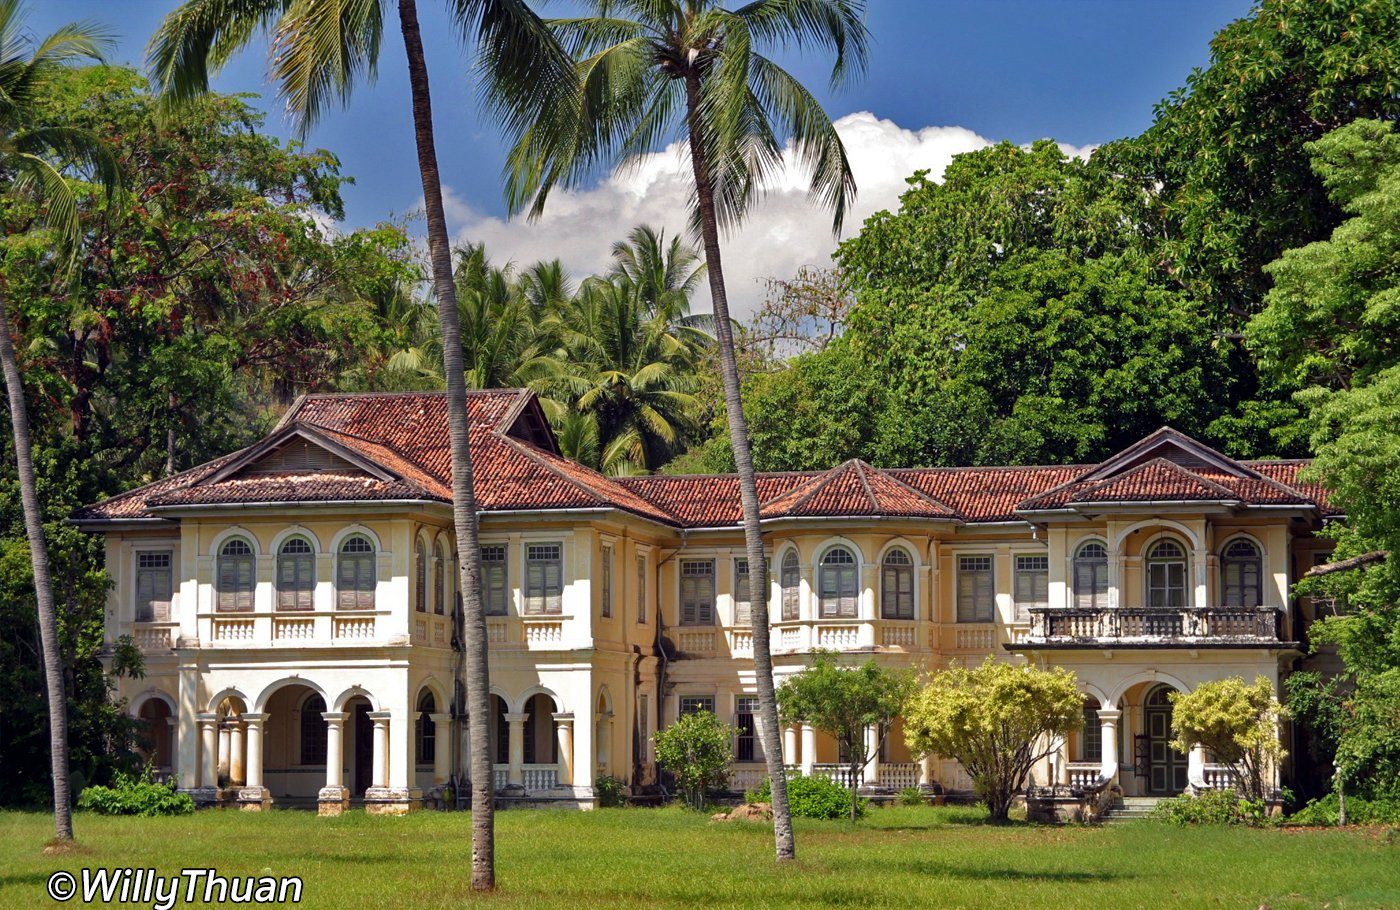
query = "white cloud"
{"x": 784, "y": 230}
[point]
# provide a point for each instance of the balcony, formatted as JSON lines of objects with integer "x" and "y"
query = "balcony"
{"x": 1153, "y": 627}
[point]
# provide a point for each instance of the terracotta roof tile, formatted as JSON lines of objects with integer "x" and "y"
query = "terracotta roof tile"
{"x": 986, "y": 494}
{"x": 856, "y": 489}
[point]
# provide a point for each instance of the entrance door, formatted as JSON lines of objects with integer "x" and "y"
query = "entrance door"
{"x": 364, "y": 748}
{"x": 1166, "y": 767}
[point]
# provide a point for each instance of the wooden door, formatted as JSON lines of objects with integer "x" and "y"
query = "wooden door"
{"x": 1166, "y": 767}
{"x": 364, "y": 749}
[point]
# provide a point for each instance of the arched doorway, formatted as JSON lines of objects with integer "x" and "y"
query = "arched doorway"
{"x": 359, "y": 745}
{"x": 157, "y": 736}
{"x": 1165, "y": 767}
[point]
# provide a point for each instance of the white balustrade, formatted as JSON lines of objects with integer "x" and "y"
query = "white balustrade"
{"x": 353, "y": 628}
{"x": 974, "y": 637}
{"x": 837, "y": 637}
{"x": 300, "y": 628}
{"x": 696, "y": 641}
{"x": 544, "y": 633}
{"x": 897, "y": 636}
{"x": 240, "y": 629}
{"x": 898, "y": 775}
{"x": 540, "y": 777}
{"x": 150, "y": 636}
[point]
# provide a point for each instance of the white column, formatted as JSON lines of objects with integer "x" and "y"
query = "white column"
{"x": 1200, "y": 563}
{"x": 209, "y": 749}
{"x": 235, "y": 752}
{"x": 442, "y": 747}
{"x": 223, "y": 770}
{"x": 253, "y": 769}
{"x": 1196, "y": 767}
{"x": 335, "y": 755}
{"x": 379, "y": 777}
{"x": 516, "y": 751}
{"x": 926, "y": 771}
{"x": 809, "y": 748}
{"x": 789, "y": 745}
{"x": 872, "y": 754}
{"x": 1108, "y": 735}
{"x": 565, "y": 748}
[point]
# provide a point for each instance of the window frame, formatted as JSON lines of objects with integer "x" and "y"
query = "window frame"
{"x": 425, "y": 731}
{"x": 605, "y": 581}
{"x": 890, "y": 607}
{"x": 1227, "y": 561}
{"x": 746, "y": 738}
{"x": 743, "y": 606}
{"x": 231, "y": 600}
{"x": 790, "y": 586}
{"x": 1019, "y": 571}
{"x": 1151, "y": 562}
{"x": 440, "y": 578}
{"x": 302, "y": 598}
{"x": 357, "y": 597}
{"x": 642, "y": 603}
{"x": 491, "y": 568}
{"x": 544, "y": 599}
{"x": 1096, "y": 599}
{"x": 842, "y": 604}
{"x": 319, "y": 745}
{"x": 693, "y": 704}
{"x": 970, "y": 612}
{"x": 686, "y": 601}
{"x": 168, "y": 571}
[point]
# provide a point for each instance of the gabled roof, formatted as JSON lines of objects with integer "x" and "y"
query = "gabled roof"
{"x": 855, "y": 489}
{"x": 1168, "y": 467}
{"x": 380, "y": 447}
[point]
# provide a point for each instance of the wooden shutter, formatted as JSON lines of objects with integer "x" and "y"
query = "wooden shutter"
{"x": 356, "y": 576}
{"x": 791, "y": 584}
{"x": 154, "y": 586}
{"x": 236, "y": 577}
{"x": 743, "y": 604}
{"x": 493, "y": 579}
{"x": 697, "y": 592}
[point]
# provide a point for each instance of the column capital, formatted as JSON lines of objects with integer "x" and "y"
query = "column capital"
{"x": 255, "y": 718}
{"x": 516, "y": 718}
{"x": 335, "y": 717}
{"x": 1109, "y": 715}
{"x": 232, "y": 723}
{"x": 564, "y": 718}
{"x": 380, "y": 717}
{"x": 208, "y": 719}
{"x": 442, "y": 718}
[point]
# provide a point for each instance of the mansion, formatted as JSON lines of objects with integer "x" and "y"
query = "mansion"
{"x": 295, "y": 603}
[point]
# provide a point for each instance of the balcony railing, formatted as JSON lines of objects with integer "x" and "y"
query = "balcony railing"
{"x": 1218, "y": 625}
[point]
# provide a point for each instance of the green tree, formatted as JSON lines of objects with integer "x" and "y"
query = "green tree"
{"x": 997, "y": 721}
{"x": 695, "y": 749}
{"x": 319, "y": 51}
{"x": 31, "y": 161}
{"x": 845, "y": 702}
{"x": 645, "y": 68}
{"x": 1236, "y": 722}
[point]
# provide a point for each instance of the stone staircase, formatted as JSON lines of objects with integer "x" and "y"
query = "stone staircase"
{"x": 1129, "y": 808}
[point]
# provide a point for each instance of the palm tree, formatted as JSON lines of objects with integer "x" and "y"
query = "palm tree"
{"x": 650, "y": 67}
{"x": 27, "y": 153}
{"x": 320, "y": 48}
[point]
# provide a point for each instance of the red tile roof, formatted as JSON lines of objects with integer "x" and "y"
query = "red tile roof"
{"x": 855, "y": 489}
{"x": 398, "y": 448}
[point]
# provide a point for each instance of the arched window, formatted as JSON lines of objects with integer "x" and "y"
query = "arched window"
{"x": 897, "y": 585}
{"x": 1241, "y": 575}
{"x": 236, "y": 577}
{"x": 440, "y": 579}
{"x": 355, "y": 574}
{"x": 791, "y": 582}
{"x": 425, "y": 730}
{"x": 1091, "y": 576}
{"x": 296, "y": 574}
{"x": 313, "y": 731}
{"x": 420, "y": 577}
{"x": 1166, "y": 575}
{"x": 838, "y": 583}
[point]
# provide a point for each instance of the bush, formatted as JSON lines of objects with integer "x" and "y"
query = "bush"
{"x": 1325, "y": 811}
{"x": 695, "y": 750}
{"x": 1213, "y": 807}
{"x": 911, "y": 796}
{"x": 136, "y": 796}
{"x": 608, "y": 789}
{"x": 812, "y": 797}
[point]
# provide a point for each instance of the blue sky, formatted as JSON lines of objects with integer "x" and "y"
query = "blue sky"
{"x": 1080, "y": 71}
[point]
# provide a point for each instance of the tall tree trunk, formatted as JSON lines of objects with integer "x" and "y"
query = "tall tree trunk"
{"x": 464, "y": 518}
{"x": 43, "y": 590}
{"x": 784, "y": 845}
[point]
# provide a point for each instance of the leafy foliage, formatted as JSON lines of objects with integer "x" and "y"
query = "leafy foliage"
{"x": 696, "y": 751}
{"x": 1235, "y": 721}
{"x": 844, "y": 702}
{"x": 997, "y": 721}
{"x": 1326, "y": 810}
{"x": 140, "y": 796}
{"x": 815, "y": 797}
{"x": 1213, "y": 807}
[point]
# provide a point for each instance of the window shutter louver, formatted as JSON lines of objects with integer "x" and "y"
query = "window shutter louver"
{"x": 791, "y": 585}
{"x": 743, "y": 605}
{"x": 145, "y": 597}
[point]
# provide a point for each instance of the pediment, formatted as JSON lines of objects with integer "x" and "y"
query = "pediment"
{"x": 1173, "y": 447}
{"x": 300, "y": 450}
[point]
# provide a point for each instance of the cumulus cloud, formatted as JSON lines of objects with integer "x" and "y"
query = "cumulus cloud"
{"x": 784, "y": 230}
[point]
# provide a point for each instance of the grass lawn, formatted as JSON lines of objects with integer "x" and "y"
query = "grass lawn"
{"x": 622, "y": 858}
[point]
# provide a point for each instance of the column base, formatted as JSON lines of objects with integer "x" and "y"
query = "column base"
{"x": 393, "y": 800}
{"x": 254, "y": 799}
{"x": 205, "y": 797}
{"x": 331, "y": 801}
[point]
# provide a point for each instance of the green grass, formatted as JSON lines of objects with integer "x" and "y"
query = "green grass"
{"x": 624, "y": 858}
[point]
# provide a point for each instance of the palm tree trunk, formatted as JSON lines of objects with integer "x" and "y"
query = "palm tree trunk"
{"x": 464, "y": 517}
{"x": 748, "y": 487}
{"x": 43, "y": 589}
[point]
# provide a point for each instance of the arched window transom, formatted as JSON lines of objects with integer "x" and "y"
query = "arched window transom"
{"x": 355, "y": 574}
{"x": 791, "y": 583}
{"x": 296, "y": 574}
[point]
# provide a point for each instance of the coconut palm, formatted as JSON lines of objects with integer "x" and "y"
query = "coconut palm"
{"x": 319, "y": 50}
{"x": 648, "y": 68}
{"x": 32, "y": 158}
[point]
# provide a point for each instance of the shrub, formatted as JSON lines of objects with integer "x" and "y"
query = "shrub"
{"x": 1213, "y": 807}
{"x": 1325, "y": 811}
{"x": 608, "y": 789}
{"x": 695, "y": 749}
{"x": 136, "y": 796}
{"x": 813, "y": 797}
{"x": 911, "y": 796}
